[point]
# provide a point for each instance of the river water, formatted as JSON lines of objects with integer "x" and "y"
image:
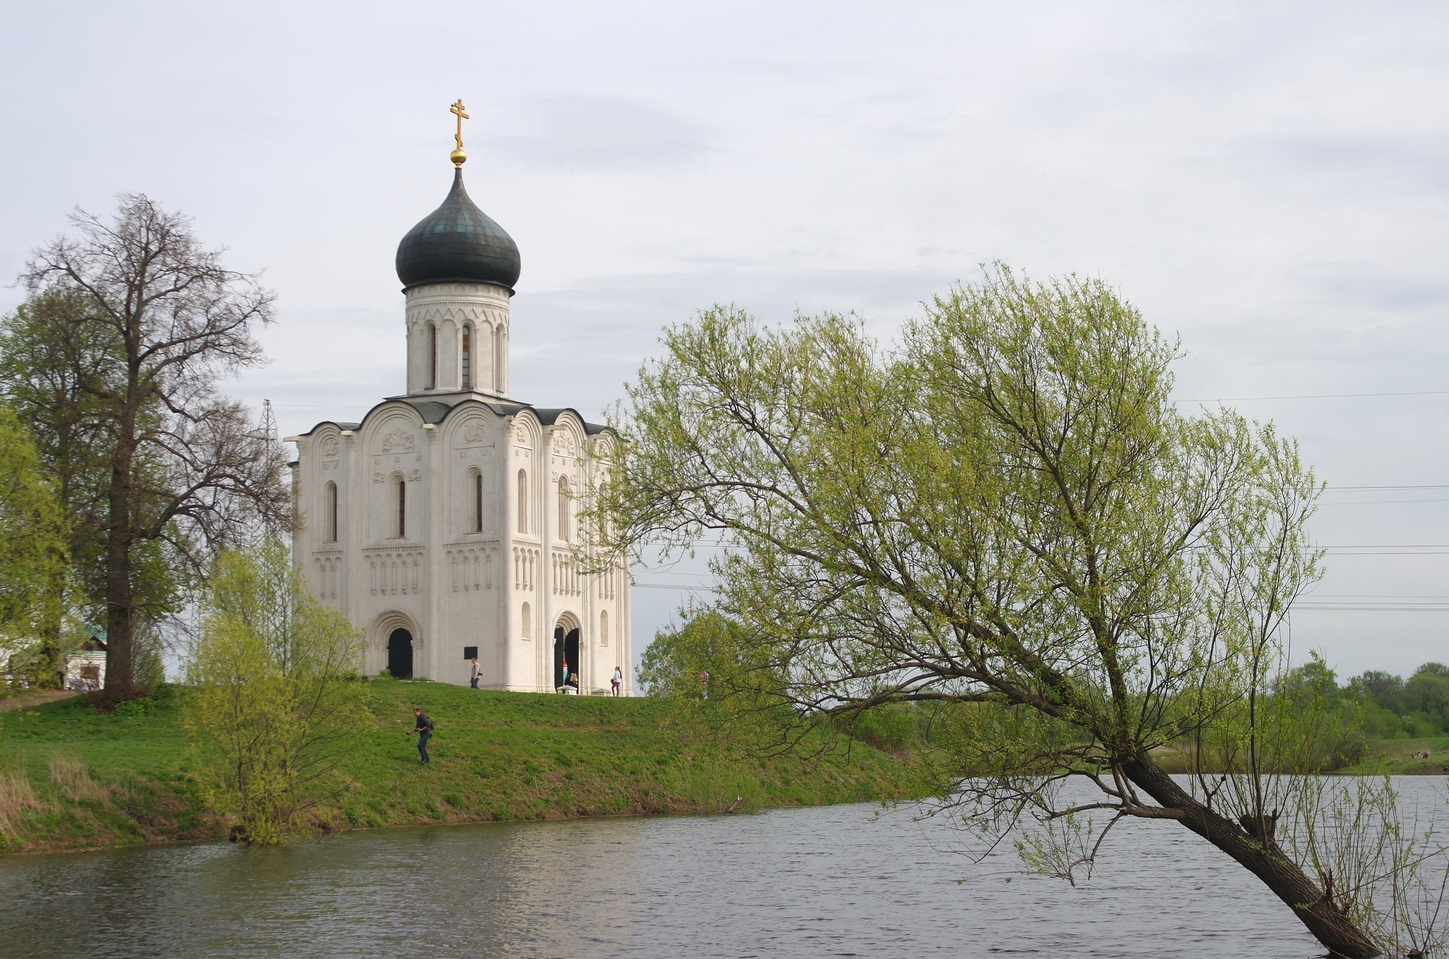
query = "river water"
{"x": 831, "y": 881}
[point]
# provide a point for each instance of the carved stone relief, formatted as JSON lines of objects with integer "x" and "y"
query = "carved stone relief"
{"x": 399, "y": 440}
{"x": 563, "y": 443}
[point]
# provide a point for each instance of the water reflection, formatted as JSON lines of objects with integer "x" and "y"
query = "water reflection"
{"x": 813, "y": 882}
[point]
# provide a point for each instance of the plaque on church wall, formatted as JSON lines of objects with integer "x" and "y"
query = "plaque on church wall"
{"x": 470, "y": 652}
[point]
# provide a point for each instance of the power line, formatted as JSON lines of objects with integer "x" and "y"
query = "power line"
{"x": 1380, "y": 489}
{"x": 1316, "y": 396}
{"x": 1369, "y": 608}
{"x": 1387, "y": 502}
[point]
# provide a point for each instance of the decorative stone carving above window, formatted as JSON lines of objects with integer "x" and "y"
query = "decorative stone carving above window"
{"x": 329, "y": 446}
{"x": 473, "y": 432}
{"x": 563, "y": 443}
{"x": 399, "y": 440}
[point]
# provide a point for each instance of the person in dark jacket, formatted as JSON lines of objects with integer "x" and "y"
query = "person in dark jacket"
{"x": 424, "y": 729}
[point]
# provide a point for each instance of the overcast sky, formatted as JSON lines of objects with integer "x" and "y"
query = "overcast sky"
{"x": 1268, "y": 181}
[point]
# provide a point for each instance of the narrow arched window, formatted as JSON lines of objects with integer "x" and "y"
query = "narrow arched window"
{"x": 498, "y": 353}
{"x": 565, "y": 526}
{"x": 604, "y": 628}
{"x": 402, "y": 507}
{"x": 467, "y": 356}
{"x": 477, "y": 502}
{"x": 522, "y": 501}
{"x": 527, "y": 621}
{"x": 331, "y": 507}
{"x": 432, "y": 357}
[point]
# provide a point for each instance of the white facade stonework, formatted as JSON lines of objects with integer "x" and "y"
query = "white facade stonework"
{"x": 448, "y": 518}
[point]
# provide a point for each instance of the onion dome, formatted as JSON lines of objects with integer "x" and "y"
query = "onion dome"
{"x": 457, "y": 243}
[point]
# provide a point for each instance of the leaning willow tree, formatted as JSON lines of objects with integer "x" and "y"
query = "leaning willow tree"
{"x": 1007, "y": 513}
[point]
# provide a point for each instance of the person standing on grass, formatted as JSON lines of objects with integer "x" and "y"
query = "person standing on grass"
{"x": 424, "y": 729}
{"x": 473, "y": 680}
{"x": 617, "y": 680}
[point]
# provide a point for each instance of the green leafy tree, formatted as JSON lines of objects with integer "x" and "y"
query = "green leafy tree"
{"x": 276, "y": 693}
{"x": 32, "y": 545}
{"x": 1427, "y": 692}
{"x": 1383, "y": 689}
{"x": 707, "y": 642}
{"x": 50, "y": 369}
{"x": 1008, "y": 508}
{"x": 740, "y": 702}
{"x": 115, "y": 358}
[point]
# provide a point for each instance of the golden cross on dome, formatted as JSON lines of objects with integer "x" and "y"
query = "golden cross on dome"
{"x": 458, "y": 156}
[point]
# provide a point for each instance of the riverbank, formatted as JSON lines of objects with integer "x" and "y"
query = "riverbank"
{"x": 1381, "y": 757}
{"x": 74, "y": 778}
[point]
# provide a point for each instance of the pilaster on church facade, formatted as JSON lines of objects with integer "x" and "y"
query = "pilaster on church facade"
{"x": 445, "y": 524}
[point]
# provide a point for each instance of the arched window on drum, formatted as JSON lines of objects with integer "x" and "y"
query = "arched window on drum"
{"x": 468, "y": 339}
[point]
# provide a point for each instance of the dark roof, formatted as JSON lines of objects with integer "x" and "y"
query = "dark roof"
{"x": 458, "y": 242}
{"x": 435, "y": 407}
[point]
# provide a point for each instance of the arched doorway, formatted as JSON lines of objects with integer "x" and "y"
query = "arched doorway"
{"x": 400, "y": 654}
{"x": 565, "y": 650}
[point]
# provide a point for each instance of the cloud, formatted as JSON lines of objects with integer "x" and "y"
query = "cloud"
{"x": 1410, "y": 162}
{"x": 576, "y": 133}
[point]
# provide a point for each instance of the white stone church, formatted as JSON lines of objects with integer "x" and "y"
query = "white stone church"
{"x": 445, "y": 524}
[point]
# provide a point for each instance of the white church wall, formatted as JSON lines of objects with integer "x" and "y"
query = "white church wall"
{"x": 531, "y": 639}
{"x": 393, "y": 574}
{"x": 472, "y": 601}
{"x": 449, "y": 583}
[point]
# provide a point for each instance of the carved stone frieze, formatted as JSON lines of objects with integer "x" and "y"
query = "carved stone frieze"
{"x": 399, "y": 440}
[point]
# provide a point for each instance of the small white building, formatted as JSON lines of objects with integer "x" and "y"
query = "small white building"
{"x": 86, "y": 667}
{"x": 445, "y": 523}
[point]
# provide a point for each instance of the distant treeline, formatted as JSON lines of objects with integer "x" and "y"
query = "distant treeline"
{"x": 1392, "y": 707}
{"x": 1373, "y": 706}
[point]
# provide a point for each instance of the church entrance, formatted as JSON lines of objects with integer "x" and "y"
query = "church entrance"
{"x": 565, "y": 651}
{"x": 400, "y": 654}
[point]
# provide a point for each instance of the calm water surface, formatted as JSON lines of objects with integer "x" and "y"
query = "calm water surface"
{"x": 834, "y": 881}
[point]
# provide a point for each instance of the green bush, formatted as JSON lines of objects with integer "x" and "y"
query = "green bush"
{"x": 135, "y": 708}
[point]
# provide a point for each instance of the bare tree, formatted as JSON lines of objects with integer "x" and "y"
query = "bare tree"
{"x": 153, "y": 322}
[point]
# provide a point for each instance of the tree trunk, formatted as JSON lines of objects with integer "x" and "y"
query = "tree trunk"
{"x": 1263, "y": 859}
{"x": 119, "y": 605}
{"x": 52, "y": 655}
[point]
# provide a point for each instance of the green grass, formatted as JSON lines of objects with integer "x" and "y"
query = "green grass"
{"x": 72, "y": 777}
{"x": 1396, "y": 757}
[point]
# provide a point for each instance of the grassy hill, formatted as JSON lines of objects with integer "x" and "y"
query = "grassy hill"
{"x": 72, "y": 778}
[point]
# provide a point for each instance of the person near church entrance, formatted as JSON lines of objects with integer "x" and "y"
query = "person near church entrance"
{"x": 473, "y": 679}
{"x": 563, "y": 685}
{"x": 424, "y": 729}
{"x": 616, "y": 680}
